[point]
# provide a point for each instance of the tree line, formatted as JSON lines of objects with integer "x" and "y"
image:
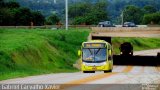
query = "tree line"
{"x": 87, "y": 13}
{"x": 12, "y": 14}
{"x": 146, "y": 15}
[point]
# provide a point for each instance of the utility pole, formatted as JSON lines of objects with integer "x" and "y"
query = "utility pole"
{"x": 122, "y": 16}
{"x": 66, "y": 13}
{"x": 66, "y": 7}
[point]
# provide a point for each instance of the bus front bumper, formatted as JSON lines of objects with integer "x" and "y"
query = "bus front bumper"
{"x": 96, "y": 68}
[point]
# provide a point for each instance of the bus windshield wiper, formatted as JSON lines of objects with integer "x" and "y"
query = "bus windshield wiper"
{"x": 90, "y": 51}
{"x": 97, "y": 51}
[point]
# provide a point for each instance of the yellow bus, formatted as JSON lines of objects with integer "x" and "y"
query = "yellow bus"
{"x": 96, "y": 55}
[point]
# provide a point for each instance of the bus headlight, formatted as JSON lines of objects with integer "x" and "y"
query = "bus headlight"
{"x": 84, "y": 63}
{"x": 103, "y": 63}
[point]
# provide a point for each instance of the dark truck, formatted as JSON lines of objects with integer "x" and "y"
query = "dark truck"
{"x": 105, "y": 24}
{"x": 126, "y": 49}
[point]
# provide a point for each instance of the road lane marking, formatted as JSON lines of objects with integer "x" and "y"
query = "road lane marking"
{"x": 85, "y": 80}
{"x": 129, "y": 78}
{"x": 119, "y": 81}
{"x": 154, "y": 69}
{"x": 128, "y": 68}
{"x": 158, "y": 68}
{"x": 119, "y": 68}
{"x": 99, "y": 76}
{"x": 92, "y": 78}
{"x": 59, "y": 77}
{"x": 121, "y": 76}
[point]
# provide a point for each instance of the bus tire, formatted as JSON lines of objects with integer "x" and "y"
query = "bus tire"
{"x": 85, "y": 71}
{"x": 158, "y": 55}
{"x": 88, "y": 71}
{"x": 107, "y": 71}
{"x": 92, "y": 71}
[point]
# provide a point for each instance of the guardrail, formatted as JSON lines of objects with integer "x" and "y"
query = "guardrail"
{"x": 29, "y": 27}
{"x": 50, "y": 26}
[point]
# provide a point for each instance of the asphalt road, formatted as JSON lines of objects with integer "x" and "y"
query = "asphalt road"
{"x": 120, "y": 75}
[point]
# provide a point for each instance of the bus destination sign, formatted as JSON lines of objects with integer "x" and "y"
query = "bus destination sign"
{"x": 94, "y": 45}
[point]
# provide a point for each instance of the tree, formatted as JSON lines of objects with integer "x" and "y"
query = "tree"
{"x": 6, "y": 17}
{"x": 79, "y": 9}
{"x": 2, "y": 4}
{"x": 149, "y": 9}
{"x": 101, "y": 5}
{"x": 79, "y": 20}
{"x": 12, "y": 14}
{"x": 12, "y": 5}
{"x": 52, "y": 20}
{"x": 133, "y": 13}
{"x": 88, "y": 13}
{"x": 37, "y": 18}
{"x": 153, "y": 18}
{"x": 95, "y": 16}
{"x": 23, "y": 16}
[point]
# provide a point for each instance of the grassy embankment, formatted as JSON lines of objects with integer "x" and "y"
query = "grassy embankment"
{"x": 30, "y": 52}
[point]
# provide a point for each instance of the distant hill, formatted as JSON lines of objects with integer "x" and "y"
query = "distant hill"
{"x": 114, "y": 6}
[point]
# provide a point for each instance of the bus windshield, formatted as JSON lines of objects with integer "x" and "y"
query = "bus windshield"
{"x": 94, "y": 54}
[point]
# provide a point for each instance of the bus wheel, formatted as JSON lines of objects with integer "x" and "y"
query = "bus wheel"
{"x": 92, "y": 71}
{"x": 107, "y": 71}
{"x": 88, "y": 71}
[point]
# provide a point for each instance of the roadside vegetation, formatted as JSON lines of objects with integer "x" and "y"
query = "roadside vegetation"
{"x": 30, "y": 52}
{"x": 81, "y": 12}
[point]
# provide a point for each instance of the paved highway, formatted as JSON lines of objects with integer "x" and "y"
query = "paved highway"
{"x": 120, "y": 75}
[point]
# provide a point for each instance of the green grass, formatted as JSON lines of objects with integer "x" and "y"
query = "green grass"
{"x": 30, "y": 52}
{"x": 138, "y": 43}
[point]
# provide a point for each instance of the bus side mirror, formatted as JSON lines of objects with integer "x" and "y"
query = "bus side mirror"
{"x": 110, "y": 52}
{"x": 79, "y": 52}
